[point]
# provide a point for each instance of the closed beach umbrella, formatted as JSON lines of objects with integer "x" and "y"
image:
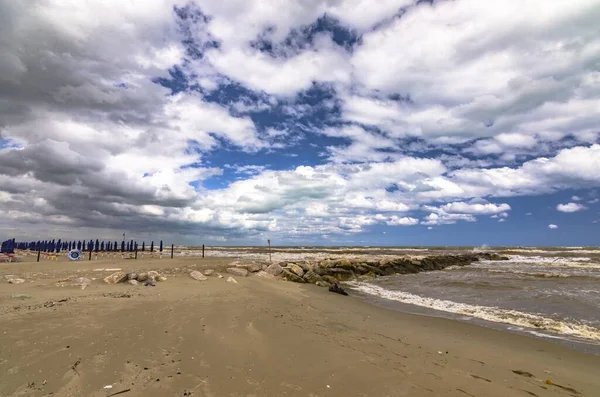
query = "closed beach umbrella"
{"x": 58, "y": 245}
{"x": 115, "y": 245}
{"x": 102, "y": 246}
{"x": 160, "y": 246}
{"x": 135, "y": 246}
{"x": 122, "y": 246}
{"x": 131, "y": 246}
{"x": 143, "y": 246}
{"x": 97, "y": 245}
{"x": 152, "y": 246}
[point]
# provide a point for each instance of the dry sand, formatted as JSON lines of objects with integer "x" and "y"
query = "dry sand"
{"x": 254, "y": 338}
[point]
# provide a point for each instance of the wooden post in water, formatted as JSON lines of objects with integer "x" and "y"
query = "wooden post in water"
{"x": 39, "y": 252}
{"x": 203, "y": 250}
{"x": 269, "y": 242}
{"x": 172, "y": 245}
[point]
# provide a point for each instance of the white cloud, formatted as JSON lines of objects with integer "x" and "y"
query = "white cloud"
{"x": 480, "y": 209}
{"x": 552, "y": 226}
{"x": 94, "y": 141}
{"x": 576, "y": 198}
{"x": 570, "y": 207}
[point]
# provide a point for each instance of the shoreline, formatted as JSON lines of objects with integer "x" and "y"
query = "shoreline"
{"x": 256, "y": 337}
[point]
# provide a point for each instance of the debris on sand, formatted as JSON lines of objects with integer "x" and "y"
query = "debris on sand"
{"x": 232, "y": 280}
{"x": 196, "y": 275}
{"x": 14, "y": 279}
{"x": 20, "y": 296}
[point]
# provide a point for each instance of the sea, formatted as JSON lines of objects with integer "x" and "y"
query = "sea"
{"x": 551, "y": 293}
{"x": 545, "y": 292}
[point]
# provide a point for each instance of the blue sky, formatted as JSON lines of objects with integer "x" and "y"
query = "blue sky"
{"x": 342, "y": 122}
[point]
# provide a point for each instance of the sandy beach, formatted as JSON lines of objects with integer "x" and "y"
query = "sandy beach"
{"x": 258, "y": 337}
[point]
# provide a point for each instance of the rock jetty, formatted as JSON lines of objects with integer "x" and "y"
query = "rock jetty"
{"x": 329, "y": 272}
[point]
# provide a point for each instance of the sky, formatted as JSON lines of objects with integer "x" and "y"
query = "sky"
{"x": 339, "y": 122}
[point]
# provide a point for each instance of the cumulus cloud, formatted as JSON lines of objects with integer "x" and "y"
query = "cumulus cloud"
{"x": 123, "y": 117}
{"x": 552, "y": 226}
{"x": 570, "y": 207}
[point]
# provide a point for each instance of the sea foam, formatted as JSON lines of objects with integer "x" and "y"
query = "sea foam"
{"x": 494, "y": 314}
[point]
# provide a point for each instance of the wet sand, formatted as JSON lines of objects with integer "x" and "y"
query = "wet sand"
{"x": 255, "y": 338}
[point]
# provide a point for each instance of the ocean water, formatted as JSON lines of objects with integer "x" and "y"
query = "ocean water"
{"x": 545, "y": 292}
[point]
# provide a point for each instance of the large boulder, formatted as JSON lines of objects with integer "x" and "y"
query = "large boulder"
{"x": 312, "y": 277}
{"x": 142, "y": 277}
{"x": 287, "y": 275}
{"x": 274, "y": 269}
{"x": 196, "y": 275}
{"x": 330, "y": 279}
{"x": 296, "y": 269}
{"x": 266, "y": 275}
{"x": 254, "y": 267}
{"x": 304, "y": 265}
{"x": 115, "y": 278}
{"x": 153, "y": 275}
{"x": 338, "y": 273}
{"x": 238, "y": 271}
{"x": 365, "y": 268}
{"x": 323, "y": 283}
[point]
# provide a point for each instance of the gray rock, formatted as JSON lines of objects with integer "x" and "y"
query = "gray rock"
{"x": 153, "y": 275}
{"x": 142, "y": 277}
{"x": 312, "y": 277}
{"x": 297, "y": 270}
{"x": 287, "y": 275}
{"x": 329, "y": 279}
{"x": 208, "y": 272}
{"x": 266, "y": 275}
{"x": 133, "y": 282}
{"x": 238, "y": 271}
{"x": 323, "y": 283}
{"x": 132, "y": 276}
{"x": 304, "y": 266}
{"x": 251, "y": 267}
{"x": 338, "y": 273}
{"x": 82, "y": 282}
{"x": 15, "y": 280}
{"x": 115, "y": 278}
{"x": 196, "y": 275}
{"x": 274, "y": 269}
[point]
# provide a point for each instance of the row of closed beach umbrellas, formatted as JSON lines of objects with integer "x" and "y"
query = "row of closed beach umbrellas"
{"x": 9, "y": 246}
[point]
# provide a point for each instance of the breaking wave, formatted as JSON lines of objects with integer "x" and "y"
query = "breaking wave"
{"x": 494, "y": 314}
{"x": 541, "y": 274}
